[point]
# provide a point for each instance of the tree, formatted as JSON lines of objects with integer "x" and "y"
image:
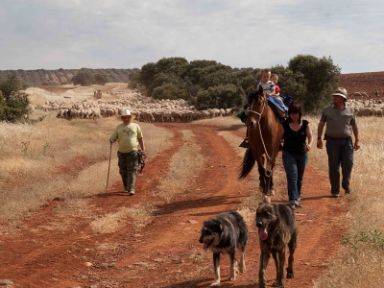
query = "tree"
{"x": 100, "y": 79}
{"x": 320, "y": 76}
{"x": 169, "y": 91}
{"x": 209, "y": 84}
{"x": 222, "y": 96}
{"x": 13, "y": 102}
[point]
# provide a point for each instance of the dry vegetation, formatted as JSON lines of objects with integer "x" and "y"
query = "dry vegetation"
{"x": 361, "y": 262}
{"x": 184, "y": 168}
{"x": 56, "y": 159}
{"x": 139, "y": 215}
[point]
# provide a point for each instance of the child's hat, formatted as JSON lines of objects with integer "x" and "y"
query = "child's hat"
{"x": 126, "y": 112}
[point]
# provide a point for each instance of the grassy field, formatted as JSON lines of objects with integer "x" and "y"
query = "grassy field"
{"x": 56, "y": 158}
{"x": 361, "y": 262}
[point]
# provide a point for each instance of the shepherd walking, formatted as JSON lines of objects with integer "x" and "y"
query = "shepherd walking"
{"x": 130, "y": 139}
{"x": 340, "y": 122}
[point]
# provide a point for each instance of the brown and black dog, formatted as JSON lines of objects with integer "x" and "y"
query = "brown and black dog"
{"x": 225, "y": 233}
{"x": 277, "y": 231}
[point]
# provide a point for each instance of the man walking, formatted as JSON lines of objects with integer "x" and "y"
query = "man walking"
{"x": 340, "y": 123}
{"x": 130, "y": 139}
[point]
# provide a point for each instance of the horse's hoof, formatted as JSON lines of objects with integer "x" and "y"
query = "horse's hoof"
{"x": 290, "y": 274}
{"x": 277, "y": 285}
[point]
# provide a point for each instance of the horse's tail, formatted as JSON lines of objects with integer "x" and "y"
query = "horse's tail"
{"x": 248, "y": 163}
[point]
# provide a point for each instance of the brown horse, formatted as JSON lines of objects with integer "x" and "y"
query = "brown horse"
{"x": 264, "y": 133}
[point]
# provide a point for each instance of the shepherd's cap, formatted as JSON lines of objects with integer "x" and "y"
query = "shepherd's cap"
{"x": 340, "y": 91}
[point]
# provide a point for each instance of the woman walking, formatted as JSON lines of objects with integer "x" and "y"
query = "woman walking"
{"x": 297, "y": 143}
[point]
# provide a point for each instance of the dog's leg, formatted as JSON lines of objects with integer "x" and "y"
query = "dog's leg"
{"x": 292, "y": 247}
{"x": 242, "y": 260}
{"x": 232, "y": 258}
{"x": 279, "y": 283}
{"x": 264, "y": 257}
{"x": 275, "y": 260}
{"x": 216, "y": 267}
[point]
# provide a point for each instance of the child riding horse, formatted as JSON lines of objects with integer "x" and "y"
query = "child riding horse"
{"x": 265, "y": 134}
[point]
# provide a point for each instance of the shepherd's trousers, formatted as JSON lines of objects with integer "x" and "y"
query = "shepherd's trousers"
{"x": 127, "y": 168}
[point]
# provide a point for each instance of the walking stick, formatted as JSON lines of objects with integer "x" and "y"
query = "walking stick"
{"x": 109, "y": 166}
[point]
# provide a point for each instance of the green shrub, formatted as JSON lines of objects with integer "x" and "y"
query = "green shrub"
{"x": 169, "y": 91}
{"x": 13, "y": 102}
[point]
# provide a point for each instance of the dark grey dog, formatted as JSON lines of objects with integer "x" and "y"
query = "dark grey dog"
{"x": 224, "y": 234}
{"x": 277, "y": 231}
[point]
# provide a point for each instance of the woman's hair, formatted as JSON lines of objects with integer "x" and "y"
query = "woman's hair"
{"x": 294, "y": 109}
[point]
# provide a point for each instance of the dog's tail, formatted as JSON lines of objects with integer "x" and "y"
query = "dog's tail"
{"x": 248, "y": 163}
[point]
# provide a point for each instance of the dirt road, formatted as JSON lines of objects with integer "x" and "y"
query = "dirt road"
{"x": 51, "y": 251}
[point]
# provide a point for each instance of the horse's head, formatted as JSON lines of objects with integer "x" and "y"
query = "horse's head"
{"x": 258, "y": 104}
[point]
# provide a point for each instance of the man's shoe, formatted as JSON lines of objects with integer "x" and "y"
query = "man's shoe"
{"x": 335, "y": 195}
{"x": 348, "y": 191}
{"x": 244, "y": 144}
{"x": 131, "y": 192}
{"x": 292, "y": 204}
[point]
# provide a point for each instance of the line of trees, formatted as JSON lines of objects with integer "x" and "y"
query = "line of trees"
{"x": 209, "y": 84}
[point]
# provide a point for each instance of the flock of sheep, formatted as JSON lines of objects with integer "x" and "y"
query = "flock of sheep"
{"x": 91, "y": 104}
{"x": 146, "y": 109}
{"x": 367, "y": 107}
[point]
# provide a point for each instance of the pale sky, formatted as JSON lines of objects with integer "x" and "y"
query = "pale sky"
{"x": 52, "y": 34}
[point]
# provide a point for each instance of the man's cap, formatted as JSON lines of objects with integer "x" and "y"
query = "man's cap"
{"x": 125, "y": 112}
{"x": 340, "y": 91}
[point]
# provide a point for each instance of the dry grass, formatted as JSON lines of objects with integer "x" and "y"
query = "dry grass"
{"x": 361, "y": 262}
{"x": 184, "y": 167}
{"x": 139, "y": 215}
{"x": 57, "y": 158}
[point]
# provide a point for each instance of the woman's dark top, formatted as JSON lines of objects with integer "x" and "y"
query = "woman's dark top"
{"x": 294, "y": 141}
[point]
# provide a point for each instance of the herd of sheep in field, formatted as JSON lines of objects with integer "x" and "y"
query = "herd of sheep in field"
{"x": 96, "y": 104}
{"x": 88, "y": 103}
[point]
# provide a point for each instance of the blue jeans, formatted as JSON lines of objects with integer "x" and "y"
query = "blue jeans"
{"x": 340, "y": 153}
{"x": 278, "y": 102}
{"x": 294, "y": 165}
{"x": 127, "y": 168}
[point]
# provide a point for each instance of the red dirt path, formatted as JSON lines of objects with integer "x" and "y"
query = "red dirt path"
{"x": 166, "y": 253}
